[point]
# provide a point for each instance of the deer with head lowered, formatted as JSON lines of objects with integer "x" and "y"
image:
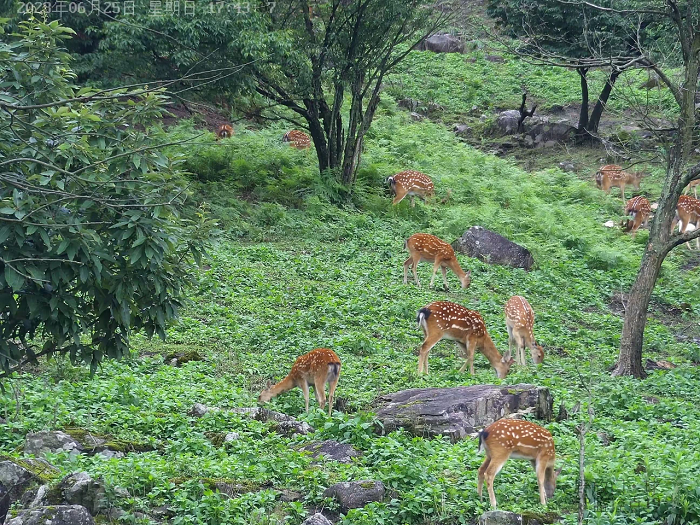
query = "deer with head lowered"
{"x": 518, "y": 439}
{"x": 426, "y": 247}
{"x": 520, "y": 319}
{"x": 318, "y": 367}
{"x": 613, "y": 176}
{"x": 687, "y": 213}
{"x": 412, "y": 183}
{"x": 638, "y": 211}
{"x": 445, "y": 320}
{"x": 225, "y": 131}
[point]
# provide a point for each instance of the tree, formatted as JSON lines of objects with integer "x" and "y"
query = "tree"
{"x": 92, "y": 245}
{"x": 576, "y": 36}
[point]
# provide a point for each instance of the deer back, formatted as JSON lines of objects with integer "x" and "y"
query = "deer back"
{"x": 519, "y": 314}
{"x": 429, "y": 247}
{"x": 519, "y": 438}
{"x": 413, "y": 181}
{"x": 297, "y": 139}
{"x": 453, "y": 320}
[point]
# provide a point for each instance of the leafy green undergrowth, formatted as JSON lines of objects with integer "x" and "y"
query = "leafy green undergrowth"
{"x": 313, "y": 274}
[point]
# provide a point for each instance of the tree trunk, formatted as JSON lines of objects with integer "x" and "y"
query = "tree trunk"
{"x": 583, "y": 115}
{"x": 594, "y": 121}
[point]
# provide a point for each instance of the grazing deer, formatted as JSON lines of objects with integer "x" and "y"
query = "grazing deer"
{"x": 520, "y": 440}
{"x": 316, "y": 368}
{"x": 520, "y": 318}
{"x": 297, "y": 139}
{"x": 426, "y": 247}
{"x": 612, "y": 175}
{"x": 694, "y": 185}
{"x": 410, "y": 183}
{"x": 638, "y": 210}
{"x": 687, "y": 213}
{"x": 225, "y": 131}
{"x": 445, "y": 320}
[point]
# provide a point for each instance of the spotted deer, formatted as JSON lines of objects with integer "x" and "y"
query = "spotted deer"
{"x": 318, "y": 367}
{"x": 638, "y": 211}
{"x": 426, "y": 247}
{"x": 518, "y": 439}
{"x": 694, "y": 185}
{"x": 613, "y": 176}
{"x": 520, "y": 319}
{"x": 444, "y": 320}
{"x": 687, "y": 213}
{"x": 297, "y": 139}
{"x": 225, "y": 131}
{"x": 411, "y": 183}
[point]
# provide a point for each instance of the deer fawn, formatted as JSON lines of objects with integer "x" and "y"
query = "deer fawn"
{"x": 612, "y": 175}
{"x": 638, "y": 210}
{"x": 316, "y": 368}
{"x": 410, "y": 183}
{"x": 520, "y": 318}
{"x": 445, "y": 320}
{"x": 297, "y": 139}
{"x": 425, "y": 247}
{"x": 520, "y": 440}
{"x": 694, "y": 185}
{"x": 225, "y": 131}
{"x": 687, "y": 212}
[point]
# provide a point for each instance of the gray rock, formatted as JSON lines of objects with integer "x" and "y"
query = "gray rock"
{"x": 317, "y": 519}
{"x": 416, "y": 116}
{"x": 461, "y": 130}
{"x": 567, "y": 166}
{"x": 331, "y": 449}
{"x": 39, "y": 443}
{"x": 53, "y": 515}
{"x": 493, "y": 248}
{"x": 4, "y": 502}
{"x": 460, "y": 411}
{"x": 231, "y": 436}
{"x": 500, "y": 517}
{"x": 36, "y": 498}
{"x": 109, "y": 454}
{"x": 409, "y": 104}
{"x": 355, "y": 494}
{"x": 555, "y": 132}
{"x": 441, "y": 43}
{"x": 290, "y": 428}
{"x": 80, "y": 489}
{"x": 287, "y": 495}
{"x": 507, "y": 121}
{"x": 198, "y": 410}
{"x": 15, "y": 478}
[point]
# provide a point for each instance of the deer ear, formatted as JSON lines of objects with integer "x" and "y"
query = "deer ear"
{"x": 469, "y": 273}
{"x": 557, "y": 472}
{"x": 506, "y": 357}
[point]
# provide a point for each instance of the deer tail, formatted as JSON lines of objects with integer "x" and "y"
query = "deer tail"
{"x": 482, "y": 437}
{"x": 423, "y": 314}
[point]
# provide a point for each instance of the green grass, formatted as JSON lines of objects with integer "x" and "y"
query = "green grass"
{"x": 286, "y": 279}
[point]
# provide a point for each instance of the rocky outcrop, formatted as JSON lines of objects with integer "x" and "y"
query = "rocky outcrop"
{"x": 15, "y": 479}
{"x": 493, "y": 248}
{"x": 500, "y": 517}
{"x": 460, "y": 411}
{"x": 355, "y": 494}
{"x": 39, "y": 443}
{"x": 317, "y": 519}
{"x": 507, "y": 121}
{"x": 4, "y": 502}
{"x": 54, "y": 515}
{"x": 441, "y": 43}
{"x": 333, "y": 450}
{"x": 80, "y": 489}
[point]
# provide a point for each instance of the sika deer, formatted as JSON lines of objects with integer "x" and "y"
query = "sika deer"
{"x": 687, "y": 212}
{"x": 297, "y": 139}
{"x": 225, "y": 131}
{"x": 638, "y": 210}
{"x": 410, "y": 183}
{"x": 425, "y": 247}
{"x": 318, "y": 367}
{"x": 520, "y": 318}
{"x": 520, "y": 440}
{"x": 445, "y": 320}
{"x": 612, "y": 175}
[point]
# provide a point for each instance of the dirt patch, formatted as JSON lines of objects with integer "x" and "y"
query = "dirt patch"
{"x": 692, "y": 262}
{"x": 203, "y": 117}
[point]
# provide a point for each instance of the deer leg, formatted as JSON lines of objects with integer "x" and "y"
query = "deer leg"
{"x": 540, "y": 468}
{"x": 480, "y": 479}
{"x": 490, "y": 474}
{"x": 510, "y": 339}
{"x": 406, "y": 265}
{"x": 468, "y": 357}
{"x": 523, "y": 345}
{"x": 415, "y": 271}
{"x": 398, "y": 198}
{"x": 305, "y": 388}
{"x": 320, "y": 390}
{"x": 413, "y": 201}
{"x": 435, "y": 269}
{"x": 444, "y": 278}
{"x": 331, "y": 392}
{"x": 430, "y": 341}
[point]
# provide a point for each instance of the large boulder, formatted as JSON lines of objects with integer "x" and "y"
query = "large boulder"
{"x": 39, "y": 443}
{"x": 15, "y": 479}
{"x": 507, "y": 121}
{"x": 4, "y": 502}
{"x": 549, "y": 134}
{"x": 460, "y": 411}
{"x": 80, "y": 489}
{"x": 53, "y": 515}
{"x": 333, "y": 450}
{"x": 355, "y": 494}
{"x": 441, "y": 43}
{"x": 317, "y": 519}
{"x": 500, "y": 517}
{"x": 493, "y": 248}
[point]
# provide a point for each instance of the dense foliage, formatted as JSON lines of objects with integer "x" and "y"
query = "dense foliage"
{"x": 91, "y": 244}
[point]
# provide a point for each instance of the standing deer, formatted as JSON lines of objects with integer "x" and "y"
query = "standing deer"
{"x": 520, "y": 318}
{"x": 297, "y": 139}
{"x": 687, "y": 213}
{"x": 410, "y": 183}
{"x": 225, "y": 131}
{"x": 694, "y": 185}
{"x": 521, "y": 440}
{"x": 426, "y": 247}
{"x": 638, "y": 210}
{"x": 612, "y": 175}
{"x": 318, "y": 367}
{"x": 445, "y": 320}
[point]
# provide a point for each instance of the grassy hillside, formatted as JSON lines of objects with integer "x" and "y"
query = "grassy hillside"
{"x": 293, "y": 272}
